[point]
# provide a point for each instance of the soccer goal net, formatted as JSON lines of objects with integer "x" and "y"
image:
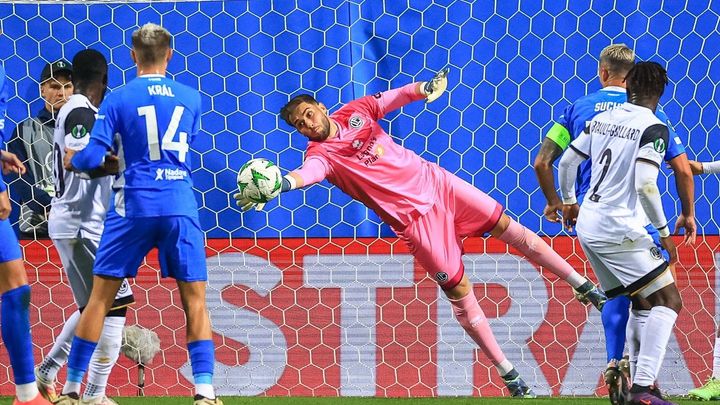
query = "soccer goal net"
{"x": 314, "y": 295}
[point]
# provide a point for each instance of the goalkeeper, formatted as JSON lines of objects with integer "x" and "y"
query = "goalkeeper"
{"x": 428, "y": 207}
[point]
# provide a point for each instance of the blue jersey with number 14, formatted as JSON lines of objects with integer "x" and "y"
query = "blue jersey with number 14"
{"x": 150, "y": 123}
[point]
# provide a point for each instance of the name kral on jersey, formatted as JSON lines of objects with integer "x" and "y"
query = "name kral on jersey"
{"x": 614, "y": 130}
{"x": 160, "y": 90}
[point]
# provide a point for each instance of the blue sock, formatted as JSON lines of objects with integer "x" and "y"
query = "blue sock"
{"x": 15, "y": 317}
{"x": 202, "y": 360}
{"x": 80, "y": 353}
{"x": 615, "y": 316}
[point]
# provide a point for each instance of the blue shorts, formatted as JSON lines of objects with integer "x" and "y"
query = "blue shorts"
{"x": 126, "y": 241}
{"x": 655, "y": 235}
{"x": 9, "y": 246}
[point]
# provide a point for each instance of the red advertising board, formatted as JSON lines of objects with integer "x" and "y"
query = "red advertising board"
{"x": 331, "y": 317}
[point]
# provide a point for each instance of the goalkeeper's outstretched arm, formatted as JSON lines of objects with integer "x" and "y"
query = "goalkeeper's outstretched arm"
{"x": 313, "y": 171}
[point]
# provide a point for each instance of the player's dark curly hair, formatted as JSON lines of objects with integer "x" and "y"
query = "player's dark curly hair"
{"x": 646, "y": 80}
{"x": 89, "y": 66}
{"x": 294, "y": 102}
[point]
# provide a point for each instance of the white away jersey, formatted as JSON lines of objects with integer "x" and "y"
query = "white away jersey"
{"x": 614, "y": 141}
{"x": 79, "y": 203}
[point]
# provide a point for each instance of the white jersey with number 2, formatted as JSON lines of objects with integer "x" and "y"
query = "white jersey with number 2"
{"x": 615, "y": 141}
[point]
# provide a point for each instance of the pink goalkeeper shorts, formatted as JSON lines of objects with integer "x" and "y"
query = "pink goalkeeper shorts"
{"x": 435, "y": 238}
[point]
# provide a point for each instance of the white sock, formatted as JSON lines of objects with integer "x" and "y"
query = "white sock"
{"x": 60, "y": 350}
{"x": 26, "y": 392}
{"x": 716, "y": 359}
{"x": 576, "y": 280}
{"x": 71, "y": 386}
{"x": 104, "y": 357}
{"x": 653, "y": 345}
{"x": 504, "y": 367}
{"x": 205, "y": 390}
{"x": 634, "y": 330}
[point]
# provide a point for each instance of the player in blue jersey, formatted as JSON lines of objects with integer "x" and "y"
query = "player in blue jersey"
{"x": 14, "y": 288}
{"x": 615, "y": 62}
{"x": 148, "y": 124}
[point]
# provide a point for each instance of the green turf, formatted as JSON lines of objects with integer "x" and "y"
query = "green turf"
{"x": 363, "y": 401}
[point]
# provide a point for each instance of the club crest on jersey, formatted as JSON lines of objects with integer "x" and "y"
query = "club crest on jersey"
{"x": 655, "y": 253}
{"x": 659, "y": 145}
{"x": 357, "y": 144}
{"x": 441, "y": 277}
{"x": 356, "y": 122}
{"x": 124, "y": 287}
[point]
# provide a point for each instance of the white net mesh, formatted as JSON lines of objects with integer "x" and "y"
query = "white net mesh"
{"x": 314, "y": 296}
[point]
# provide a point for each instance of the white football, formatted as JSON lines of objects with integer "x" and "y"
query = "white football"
{"x": 259, "y": 180}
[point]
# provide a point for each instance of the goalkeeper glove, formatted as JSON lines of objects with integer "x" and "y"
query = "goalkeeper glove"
{"x": 436, "y": 86}
{"x": 246, "y": 204}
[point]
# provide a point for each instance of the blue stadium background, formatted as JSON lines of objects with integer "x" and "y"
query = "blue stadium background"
{"x": 514, "y": 68}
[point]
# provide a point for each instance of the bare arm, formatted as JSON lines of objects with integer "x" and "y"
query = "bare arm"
{"x": 549, "y": 152}
{"x": 567, "y": 172}
{"x": 685, "y": 186}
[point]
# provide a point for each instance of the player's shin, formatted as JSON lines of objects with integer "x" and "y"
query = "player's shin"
{"x": 15, "y": 315}
{"x": 716, "y": 359}
{"x": 57, "y": 357}
{"x": 532, "y": 246}
{"x": 635, "y": 327}
{"x": 104, "y": 357}
{"x": 473, "y": 320}
{"x": 653, "y": 345}
{"x": 78, "y": 361}
{"x": 615, "y": 314}
{"x": 202, "y": 361}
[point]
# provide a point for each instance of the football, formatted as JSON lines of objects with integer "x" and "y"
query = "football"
{"x": 259, "y": 180}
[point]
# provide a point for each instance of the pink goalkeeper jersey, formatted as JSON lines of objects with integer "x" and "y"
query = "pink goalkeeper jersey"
{"x": 365, "y": 162}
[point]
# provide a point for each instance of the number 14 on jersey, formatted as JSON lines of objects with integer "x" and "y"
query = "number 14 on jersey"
{"x": 168, "y": 142}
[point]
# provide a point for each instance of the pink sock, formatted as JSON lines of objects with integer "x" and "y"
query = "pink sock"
{"x": 471, "y": 317}
{"x": 539, "y": 252}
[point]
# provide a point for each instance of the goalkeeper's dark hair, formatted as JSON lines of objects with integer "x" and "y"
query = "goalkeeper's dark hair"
{"x": 293, "y": 103}
{"x": 89, "y": 66}
{"x": 646, "y": 80}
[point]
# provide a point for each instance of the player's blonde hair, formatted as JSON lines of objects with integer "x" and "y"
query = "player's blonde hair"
{"x": 151, "y": 43}
{"x": 618, "y": 59}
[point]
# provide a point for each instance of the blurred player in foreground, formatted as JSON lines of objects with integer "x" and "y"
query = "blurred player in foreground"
{"x": 14, "y": 288}
{"x": 626, "y": 146}
{"x": 428, "y": 207}
{"x": 148, "y": 123}
{"x": 711, "y": 390}
{"x": 615, "y": 62}
{"x": 75, "y": 226}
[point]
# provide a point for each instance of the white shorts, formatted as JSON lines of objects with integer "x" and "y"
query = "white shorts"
{"x": 631, "y": 267}
{"x": 78, "y": 257}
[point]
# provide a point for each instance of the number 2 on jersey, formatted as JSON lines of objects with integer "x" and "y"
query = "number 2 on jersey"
{"x": 605, "y": 160}
{"x": 168, "y": 143}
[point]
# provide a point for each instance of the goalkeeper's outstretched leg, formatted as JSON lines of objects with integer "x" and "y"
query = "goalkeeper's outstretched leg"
{"x": 539, "y": 252}
{"x": 471, "y": 317}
